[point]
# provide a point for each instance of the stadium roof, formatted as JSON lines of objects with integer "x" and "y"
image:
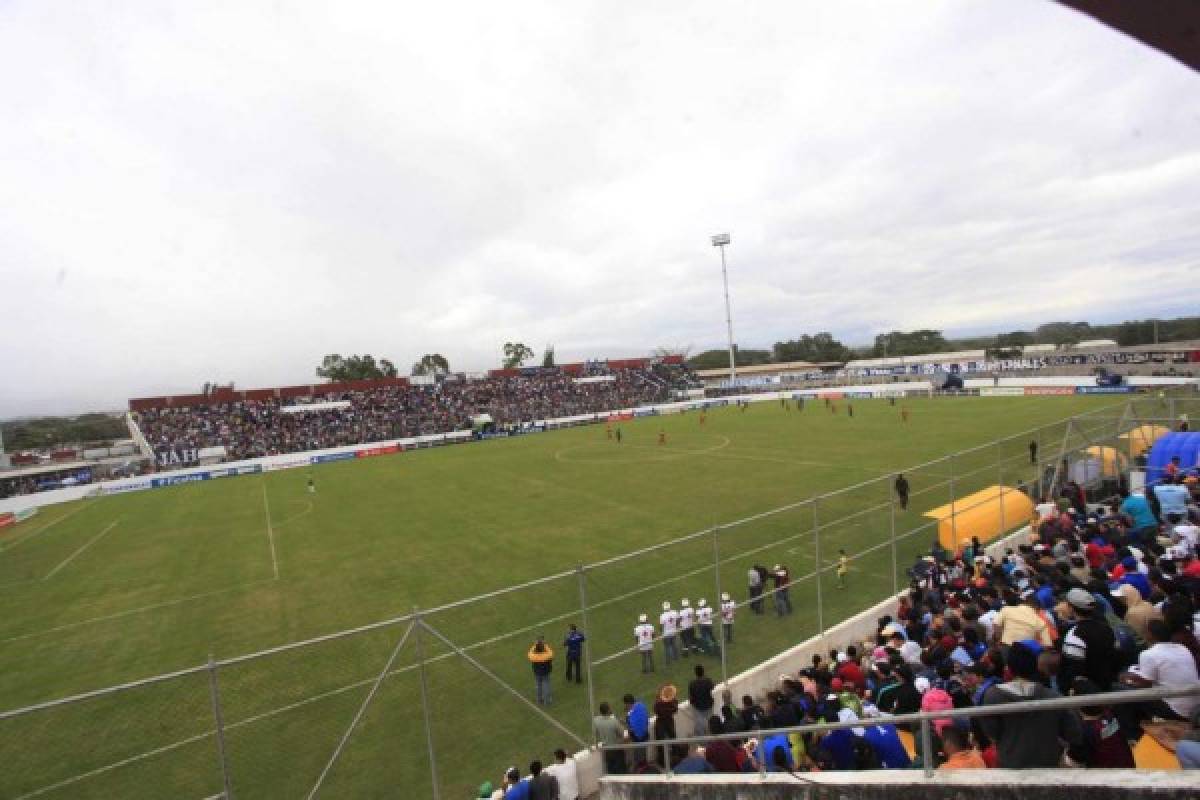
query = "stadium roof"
{"x": 1172, "y": 26}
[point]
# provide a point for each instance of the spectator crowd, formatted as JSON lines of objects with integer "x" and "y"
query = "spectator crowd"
{"x": 253, "y": 428}
{"x": 1103, "y": 598}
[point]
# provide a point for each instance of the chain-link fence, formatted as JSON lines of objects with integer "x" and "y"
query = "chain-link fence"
{"x": 433, "y": 703}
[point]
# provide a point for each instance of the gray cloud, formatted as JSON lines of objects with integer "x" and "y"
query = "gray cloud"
{"x": 229, "y": 191}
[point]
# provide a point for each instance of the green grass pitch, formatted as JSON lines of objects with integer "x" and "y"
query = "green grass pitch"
{"x": 124, "y": 587}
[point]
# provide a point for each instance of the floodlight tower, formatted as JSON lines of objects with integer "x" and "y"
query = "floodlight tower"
{"x": 721, "y": 240}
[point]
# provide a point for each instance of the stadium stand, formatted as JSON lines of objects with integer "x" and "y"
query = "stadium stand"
{"x": 261, "y": 422}
{"x": 1103, "y": 598}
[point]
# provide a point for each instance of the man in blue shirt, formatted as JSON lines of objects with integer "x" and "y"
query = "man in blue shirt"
{"x": 770, "y": 745}
{"x": 517, "y": 788}
{"x": 1172, "y": 498}
{"x": 887, "y": 746}
{"x": 637, "y": 721}
{"x": 574, "y": 645}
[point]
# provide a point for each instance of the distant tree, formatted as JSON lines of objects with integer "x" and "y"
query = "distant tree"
{"x": 431, "y": 364}
{"x": 516, "y": 354}
{"x": 909, "y": 343}
{"x": 548, "y": 356}
{"x": 718, "y": 359}
{"x": 816, "y": 348}
{"x": 1013, "y": 339}
{"x": 1061, "y": 334}
{"x": 47, "y": 432}
{"x": 672, "y": 350}
{"x": 354, "y": 368}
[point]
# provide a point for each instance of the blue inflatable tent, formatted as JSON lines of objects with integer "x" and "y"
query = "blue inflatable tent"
{"x": 1184, "y": 445}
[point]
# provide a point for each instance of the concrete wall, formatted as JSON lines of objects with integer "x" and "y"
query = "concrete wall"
{"x": 1045, "y": 784}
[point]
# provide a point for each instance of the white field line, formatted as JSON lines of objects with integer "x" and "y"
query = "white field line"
{"x": 44, "y": 528}
{"x": 88, "y": 544}
{"x": 131, "y": 611}
{"x": 270, "y": 532}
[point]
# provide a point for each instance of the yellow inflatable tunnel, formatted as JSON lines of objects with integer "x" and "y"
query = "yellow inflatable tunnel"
{"x": 1141, "y": 439}
{"x": 986, "y": 514}
{"x": 1112, "y": 463}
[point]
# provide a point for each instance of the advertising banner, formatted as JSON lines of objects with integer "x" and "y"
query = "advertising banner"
{"x": 136, "y": 486}
{"x": 624, "y": 416}
{"x": 7, "y": 520}
{"x": 326, "y": 457}
{"x": 831, "y": 395}
{"x": 1001, "y": 391}
{"x": 1104, "y": 389}
{"x": 173, "y": 480}
{"x": 382, "y": 450}
{"x": 288, "y": 463}
{"x": 1049, "y": 390}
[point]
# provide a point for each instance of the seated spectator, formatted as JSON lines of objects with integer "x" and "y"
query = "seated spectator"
{"x": 1165, "y": 664}
{"x": 1030, "y": 739}
{"x": 956, "y": 743}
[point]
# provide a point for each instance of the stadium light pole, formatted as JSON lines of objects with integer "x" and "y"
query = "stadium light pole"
{"x": 721, "y": 240}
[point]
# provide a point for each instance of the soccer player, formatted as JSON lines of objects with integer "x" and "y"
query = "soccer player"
{"x": 687, "y": 627}
{"x": 312, "y": 487}
{"x": 608, "y": 429}
{"x": 842, "y": 568}
{"x": 1033, "y": 451}
{"x": 904, "y": 413}
{"x": 618, "y": 435}
{"x": 703, "y": 417}
{"x": 728, "y": 607}
{"x": 669, "y": 620}
{"x": 662, "y": 437}
{"x": 850, "y": 410}
{"x": 901, "y": 486}
{"x": 644, "y": 633}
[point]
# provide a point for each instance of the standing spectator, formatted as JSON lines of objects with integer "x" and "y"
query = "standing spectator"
{"x": 643, "y": 632}
{"x": 566, "y": 772}
{"x": 541, "y": 658}
{"x": 728, "y": 608}
{"x": 607, "y": 732}
{"x": 700, "y": 695}
{"x": 755, "y": 580}
{"x": 1033, "y": 739}
{"x": 1089, "y": 647}
{"x": 574, "y": 647}
{"x": 542, "y": 785}
{"x": 901, "y": 487}
{"x": 669, "y": 620}
{"x": 781, "y": 579}
{"x": 637, "y": 722}
{"x": 665, "y": 708}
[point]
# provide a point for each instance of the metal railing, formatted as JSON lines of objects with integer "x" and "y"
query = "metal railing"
{"x": 286, "y": 719}
{"x": 923, "y": 720}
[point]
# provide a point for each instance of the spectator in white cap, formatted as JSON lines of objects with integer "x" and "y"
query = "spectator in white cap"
{"x": 643, "y": 632}
{"x": 668, "y": 620}
{"x": 728, "y": 607}
{"x": 781, "y": 579}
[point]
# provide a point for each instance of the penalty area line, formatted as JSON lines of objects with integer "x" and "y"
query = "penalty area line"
{"x": 86, "y": 545}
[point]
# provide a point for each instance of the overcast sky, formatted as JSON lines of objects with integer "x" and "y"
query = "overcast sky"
{"x": 198, "y": 191}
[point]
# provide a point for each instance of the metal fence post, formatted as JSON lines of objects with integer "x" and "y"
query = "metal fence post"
{"x": 215, "y": 696}
{"x": 419, "y": 621}
{"x": 895, "y": 557}
{"x": 817, "y": 541}
{"x": 953, "y": 503}
{"x": 587, "y": 649}
{"x": 719, "y": 628}
{"x": 926, "y": 749}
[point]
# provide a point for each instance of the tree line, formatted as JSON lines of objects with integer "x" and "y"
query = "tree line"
{"x": 40, "y": 432}
{"x": 823, "y": 347}
{"x": 336, "y": 368}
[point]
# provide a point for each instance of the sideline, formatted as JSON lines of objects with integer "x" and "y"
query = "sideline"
{"x": 88, "y": 544}
{"x": 270, "y": 532}
{"x": 45, "y": 527}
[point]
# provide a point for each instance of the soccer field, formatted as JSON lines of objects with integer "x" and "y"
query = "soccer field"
{"x": 119, "y": 588}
